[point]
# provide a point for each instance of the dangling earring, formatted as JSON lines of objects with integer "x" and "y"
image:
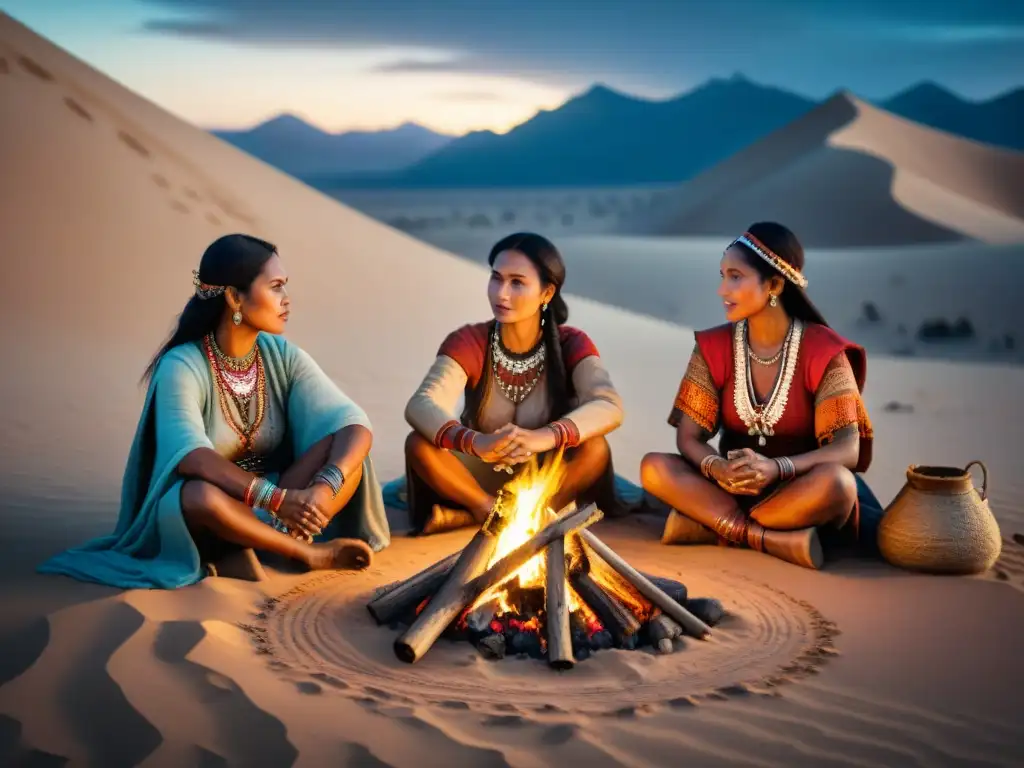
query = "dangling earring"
{"x": 237, "y": 317}
{"x": 774, "y": 300}
{"x": 543, "y": 310}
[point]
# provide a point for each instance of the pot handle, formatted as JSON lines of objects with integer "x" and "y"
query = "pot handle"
{"x": 984, "y": 473}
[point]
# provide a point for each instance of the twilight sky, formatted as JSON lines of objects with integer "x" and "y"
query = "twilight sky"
{"x": 458, "y": 65}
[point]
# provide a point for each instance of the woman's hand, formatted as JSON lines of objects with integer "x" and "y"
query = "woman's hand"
{"x": 527, "y": 442}
{"x": 300, "y": 511}
{"x": 493, "y": 448}
{"x": 749, "y": 472}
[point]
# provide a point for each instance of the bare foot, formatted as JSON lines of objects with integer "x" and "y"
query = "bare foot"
{"x": 340, "y": 554}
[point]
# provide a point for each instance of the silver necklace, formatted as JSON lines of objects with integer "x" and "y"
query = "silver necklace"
{"x": 517, "y": 375}
{"x": 761, "y": 420}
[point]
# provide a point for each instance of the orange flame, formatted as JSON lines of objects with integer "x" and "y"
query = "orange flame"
{"x": 530, "y": 493}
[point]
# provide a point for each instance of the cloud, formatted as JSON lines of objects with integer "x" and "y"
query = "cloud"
{"x": 813, "y": 47}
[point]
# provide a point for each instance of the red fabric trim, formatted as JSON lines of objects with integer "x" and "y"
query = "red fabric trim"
{"x": 820, "y": 346}
{"x": 445, "y": 428}
{"x": 716, "y": 346}
{"x": 576, "y": 346}
{"x": 467, "y": 346}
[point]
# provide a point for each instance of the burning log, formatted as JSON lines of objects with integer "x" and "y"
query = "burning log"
{"x": 614, "y": 616}
{"x": 557, "y": 608}
{"x": 400, "y": 599}
{"x": 663, "y": 631}
{"x": 466, "y": 582}
{"x": 690, "y": 623}
{"x": 448, "y": 602}
{"x": 502, "y": 570}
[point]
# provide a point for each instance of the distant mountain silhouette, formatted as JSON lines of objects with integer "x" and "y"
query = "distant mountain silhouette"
{"x": 998, "y": 121}
{"x": 600, "y": 137}
{"x": 296, "y": 147}
{"x": 606, "y": 137}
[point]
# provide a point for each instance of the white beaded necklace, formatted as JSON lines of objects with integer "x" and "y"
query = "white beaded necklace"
{"x": 761, "y": 420}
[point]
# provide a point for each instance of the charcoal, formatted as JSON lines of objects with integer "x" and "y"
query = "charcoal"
{"x": 582, "y": 653}
{"x": 707, "y": 609}
{"x": 674, "y": 589}
{"x": 492, "y": 646}
{"x": 601, "y": 640}
{"x": 526, "y": 642}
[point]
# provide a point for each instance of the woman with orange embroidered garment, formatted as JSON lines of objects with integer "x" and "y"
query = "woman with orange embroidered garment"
{"x": 529, "y": 385}
{"x": 784, "y": 391}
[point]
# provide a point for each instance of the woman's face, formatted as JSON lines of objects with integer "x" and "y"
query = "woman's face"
{"x": 744, "y": 293}
{"x": 265, "y": 306}
{"x": 515, "y": 289}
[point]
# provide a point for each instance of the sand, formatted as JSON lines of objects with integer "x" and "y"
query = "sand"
{"x": 850, "y": 174}
{"x": 106, "y": 202}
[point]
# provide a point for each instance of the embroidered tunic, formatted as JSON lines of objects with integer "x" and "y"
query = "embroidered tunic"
{"x": 824, "y": 397}
{"x": 462, "y": 365}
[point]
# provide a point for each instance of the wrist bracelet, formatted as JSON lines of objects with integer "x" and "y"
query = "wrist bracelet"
{"x": 706, "y": 463}
{"x": 787, "y": 470}
{"x": 332, "y": 477}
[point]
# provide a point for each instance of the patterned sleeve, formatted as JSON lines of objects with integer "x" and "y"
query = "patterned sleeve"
{"x": 838, "y": 407}
{"x": 697, "y": 397}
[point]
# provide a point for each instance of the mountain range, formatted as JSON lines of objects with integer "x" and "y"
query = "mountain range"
{"x": 294, "y": 146}
{"x": 601, "y": 137}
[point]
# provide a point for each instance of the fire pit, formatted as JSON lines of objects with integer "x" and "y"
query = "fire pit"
{"x": 534, "y": 583}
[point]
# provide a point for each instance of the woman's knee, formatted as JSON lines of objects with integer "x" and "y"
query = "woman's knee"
{"x": 416, "y": 446}
{"x": 199, "y": 499}
{"x": 594, "y": 451}
{"x": 838, "y": 482}
{"x": 657, "y": 468}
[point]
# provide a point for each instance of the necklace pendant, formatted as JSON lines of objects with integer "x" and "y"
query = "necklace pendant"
{"x": 761, "y": 441}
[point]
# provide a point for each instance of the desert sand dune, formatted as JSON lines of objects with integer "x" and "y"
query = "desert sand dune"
{"x": 103, "y": 218}
{"x": 850, "y": 174}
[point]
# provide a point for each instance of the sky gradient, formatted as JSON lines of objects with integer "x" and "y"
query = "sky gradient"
{"x": 459, "y": 65}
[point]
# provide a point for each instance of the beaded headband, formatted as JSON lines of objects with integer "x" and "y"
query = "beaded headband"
{"x": 788, "y": 271}
{"x": 204, "y": 290}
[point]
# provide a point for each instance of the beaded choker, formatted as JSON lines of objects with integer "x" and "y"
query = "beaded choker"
{"x": 517, "y": 375}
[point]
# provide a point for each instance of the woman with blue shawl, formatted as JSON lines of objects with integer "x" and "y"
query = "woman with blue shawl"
{"x": 243, "y": 440}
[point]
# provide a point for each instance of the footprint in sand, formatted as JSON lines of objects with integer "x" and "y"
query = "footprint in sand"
{"x": 179, "y": 206}
{"x": 77, "y": 108}
{"x": 132, "y": 143}
{"x": 160, "y": 181}
{"x": 330, "y": 680}
{"x": 4, "y": 69}
{"x": 35, "y": 69}
{"x": 308, "y": 688}
{"x": 454, "y": 705}
{"x": 191, "y": 194}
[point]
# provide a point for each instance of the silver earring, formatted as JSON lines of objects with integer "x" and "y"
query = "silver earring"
{"x": 774, "y": 301}
{"x": 543, "y": 310}
{"x": 237, "y": 317}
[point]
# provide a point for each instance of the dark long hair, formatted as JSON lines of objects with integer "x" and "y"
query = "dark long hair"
{"x": 545, "y": 257}
{"x": 784, "y": 244}
{"x": 232, "y": 261}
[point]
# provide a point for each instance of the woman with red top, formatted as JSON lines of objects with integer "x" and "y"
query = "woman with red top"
{"x": 530, "y": 385}
{"x": 784, "y": 391}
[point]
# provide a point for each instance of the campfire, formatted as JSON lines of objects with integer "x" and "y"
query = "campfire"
{"x": 539, "y": 583}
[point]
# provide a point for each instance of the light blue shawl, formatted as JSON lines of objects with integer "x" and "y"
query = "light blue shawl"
{"x": 151, "y": 546}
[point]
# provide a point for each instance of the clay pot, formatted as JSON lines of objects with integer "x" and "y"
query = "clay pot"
{"x": 940, "y": 523}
